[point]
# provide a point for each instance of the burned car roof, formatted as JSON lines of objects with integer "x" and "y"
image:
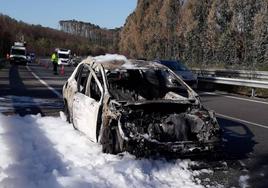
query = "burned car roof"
{"x": 115, "y": 62}
{"x": 131, "y": 64}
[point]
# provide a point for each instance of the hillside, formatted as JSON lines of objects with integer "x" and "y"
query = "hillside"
{"x": 198, "y": 32}
{"x": 106, "y": 38}
{"x": 43, "y": 40}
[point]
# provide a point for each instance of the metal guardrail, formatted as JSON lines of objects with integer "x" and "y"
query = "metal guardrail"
{"x": 256, "y": 75}
{"x": 236, "y": 82}
{"x": 252, "y": 79}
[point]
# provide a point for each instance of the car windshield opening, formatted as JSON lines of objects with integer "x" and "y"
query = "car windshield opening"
{"x": 138, "y": 85}
{"x": 18, "y": 52}
{"x": 64, "y": 56}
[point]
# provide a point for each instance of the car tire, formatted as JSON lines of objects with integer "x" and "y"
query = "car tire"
{"x": 66, "y": 112}
{"x": 110, "y": 142}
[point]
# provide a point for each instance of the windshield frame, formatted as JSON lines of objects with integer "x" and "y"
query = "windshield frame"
{"x": 14, "y": 51}
{"x": 192, "y": 95}
{"x": 63, "y": 56}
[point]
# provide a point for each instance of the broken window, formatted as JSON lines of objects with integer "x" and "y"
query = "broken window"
{"x": 99, "y": 76}
{"x": 78, "y": 73}
{"x": 82, "y": 82}
{"x": 94, "y": 90}
{"x": 144, "y": 84}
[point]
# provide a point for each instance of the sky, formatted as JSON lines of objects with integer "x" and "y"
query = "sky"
{"x": 105, "y": 13}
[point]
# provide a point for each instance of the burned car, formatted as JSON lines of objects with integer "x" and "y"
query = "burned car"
{"x": 138, "y": 106}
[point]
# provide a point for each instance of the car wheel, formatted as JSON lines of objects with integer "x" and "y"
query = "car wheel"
{"x": 110, "y": 142}
{"x": 66, "y": 112}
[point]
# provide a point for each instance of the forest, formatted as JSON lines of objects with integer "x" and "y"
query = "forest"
{"x": 219, "y": 32}
{"x": 43, "y": 40}
{"x": 107, "y": 39}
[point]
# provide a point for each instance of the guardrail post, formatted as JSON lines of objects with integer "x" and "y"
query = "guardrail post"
{"x": 253, "y": 94}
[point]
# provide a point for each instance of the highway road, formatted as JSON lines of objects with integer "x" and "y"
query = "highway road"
{"x": 35, "y": 89}
{"x": 245, "y": 125}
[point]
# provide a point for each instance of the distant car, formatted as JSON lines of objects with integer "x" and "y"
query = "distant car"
{"x": 76, "y": 60}
{"x": 138, "y": 106}
{"x": 32, "y": 55}
{"x": 181, "y": 70}
{"x": 28, "y": 57}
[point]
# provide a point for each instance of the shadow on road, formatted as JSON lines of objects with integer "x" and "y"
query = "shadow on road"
{"x": 240, "y": 139}
{"x": 17, "y": 88}
{"x": 240, "y": 145}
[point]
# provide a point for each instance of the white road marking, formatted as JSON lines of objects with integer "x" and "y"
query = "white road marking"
{"x": 242, "y": 121}
{"x": 232, "y": 97}
{"x": 44, "y": 83}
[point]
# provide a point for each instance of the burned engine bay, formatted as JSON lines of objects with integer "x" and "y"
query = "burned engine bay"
{"x": 167, "y": 122}
{"x": 179, "y": 126}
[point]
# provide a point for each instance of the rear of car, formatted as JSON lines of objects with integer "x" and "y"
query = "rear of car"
{"x": 31, "y": 57}
{"x": 76, "y": 60}
{"x": 182, "y": 71}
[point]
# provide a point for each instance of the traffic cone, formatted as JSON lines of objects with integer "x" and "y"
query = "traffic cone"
{"x": 62, "y": 70}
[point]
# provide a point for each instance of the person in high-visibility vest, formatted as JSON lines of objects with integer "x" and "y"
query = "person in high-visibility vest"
{"x": 54, "y": 60}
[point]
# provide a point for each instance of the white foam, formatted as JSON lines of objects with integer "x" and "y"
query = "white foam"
{"x": 47, "y": 152}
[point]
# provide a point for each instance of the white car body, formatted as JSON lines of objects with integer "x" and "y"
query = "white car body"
{"x": 111, "y": 100}
{"x": 84, "y": 109}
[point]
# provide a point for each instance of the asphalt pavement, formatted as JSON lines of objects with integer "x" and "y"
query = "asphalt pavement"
{"x": 245, "y": 125}
{"x": 35, "y": 89}
{"x": 21, "y": 92}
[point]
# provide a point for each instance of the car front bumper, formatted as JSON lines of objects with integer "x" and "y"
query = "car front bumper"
{"x": 145, "y": 147}
{"x": 18, "y": 61}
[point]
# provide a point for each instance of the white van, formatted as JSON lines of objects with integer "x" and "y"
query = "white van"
{"x": 64, "y": 56}
{"x": 18, "y": 54}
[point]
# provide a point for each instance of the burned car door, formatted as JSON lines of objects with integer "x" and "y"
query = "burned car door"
{"x": 87, "y": 102}
{"x": 72, "y": 88}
